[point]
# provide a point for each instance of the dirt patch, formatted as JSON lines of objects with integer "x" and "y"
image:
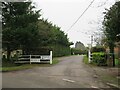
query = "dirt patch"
{"x": 107, "y": 75}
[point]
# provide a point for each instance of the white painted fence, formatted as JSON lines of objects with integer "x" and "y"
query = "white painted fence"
{"x": 35, "y": 58}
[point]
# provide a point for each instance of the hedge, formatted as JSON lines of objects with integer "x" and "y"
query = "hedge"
{"x": 59, "y": 50}
{"x": 99, "y": 58}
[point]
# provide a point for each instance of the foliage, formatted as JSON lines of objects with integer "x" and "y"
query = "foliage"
{"x": 23, "y": 29}
{"x": 51, "y": 34}
{"x": 80, "y": 45}
{"x": 19, "y": 26}
{"x": 117, "y": 62}
{"x": 99, "y": 58}
{"x": 85, "y": 59}
{"x": 111, "y": 25}
{"x": 60, "y": 50}
{"x": 98, "y": 49}
{"x": 53, "y": 38}
{"x": 77, "y": 51}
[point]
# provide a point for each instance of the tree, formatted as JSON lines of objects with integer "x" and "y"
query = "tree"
{"x": 20, "y": 29}
{"x": 111, "y": 25}
{"x": 52, "y": 37}
{"x": 23, "y": 29}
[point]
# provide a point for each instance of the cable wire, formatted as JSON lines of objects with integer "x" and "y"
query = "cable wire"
{"x": 81, "y": 15}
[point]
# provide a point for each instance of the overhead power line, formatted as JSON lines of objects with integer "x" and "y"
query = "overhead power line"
{"x": 81, "y": 15}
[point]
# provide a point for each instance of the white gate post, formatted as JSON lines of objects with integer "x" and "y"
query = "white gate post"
{"x": 40, "y": 57}
{"x": 30, "y": 59}
{"x": 50, "y": 57}
{"x": 89, "y": 56}
{"x": 89, "y": 52}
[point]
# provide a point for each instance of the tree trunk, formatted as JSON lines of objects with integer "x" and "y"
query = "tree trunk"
{"x": 112, "y": 52}
{"x": 119, "y": 52}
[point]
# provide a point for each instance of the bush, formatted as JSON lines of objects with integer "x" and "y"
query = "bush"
{"x": 98, "y": 49}
{"x": 60, "y": 50}
{"x": 117, "y": 62}
{"x": 99, "y": 58}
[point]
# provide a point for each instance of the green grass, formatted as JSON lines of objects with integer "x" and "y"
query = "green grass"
{"x": 85, "y": 59}
{"x": 109, "y": 78}
{"x": 117, "y": 62}
{"x": 14, "y": 67}
{"x": 55, "y": 61}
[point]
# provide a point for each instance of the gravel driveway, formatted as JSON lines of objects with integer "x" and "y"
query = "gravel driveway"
{"x": 70, "y": 72}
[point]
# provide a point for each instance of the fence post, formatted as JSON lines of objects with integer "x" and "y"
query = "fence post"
{"x": 50, "y": 57}
{"x": 40, "y": 57}
{"x": 30, "y": 59}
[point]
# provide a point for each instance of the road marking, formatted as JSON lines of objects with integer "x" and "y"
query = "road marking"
{"x": 94, "y": 87}
{"x": 113, "y": 85}
{"x": 68, "y": 80}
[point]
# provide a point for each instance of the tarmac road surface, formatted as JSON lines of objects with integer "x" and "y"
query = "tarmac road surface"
{"x": 70, "y": 72}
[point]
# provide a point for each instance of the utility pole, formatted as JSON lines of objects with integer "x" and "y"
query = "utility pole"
{"x": 91, "y": 40}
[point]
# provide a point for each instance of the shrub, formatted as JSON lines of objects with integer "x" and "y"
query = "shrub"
{"x": 99, "y": 58}
{"x": 98, "y": 49}
{"x": 117, "y": 62}
{"x": 60, "y": 50}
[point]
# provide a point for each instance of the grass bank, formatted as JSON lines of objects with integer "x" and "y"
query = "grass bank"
{"x": 14, "y": 67}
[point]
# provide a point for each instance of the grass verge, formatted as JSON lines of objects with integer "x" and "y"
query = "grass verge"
{"x": 117, "y": 62}
{"x": 104, "y": 76}
{"x": 15, "y": 67}
{"x": 85, "y": 59}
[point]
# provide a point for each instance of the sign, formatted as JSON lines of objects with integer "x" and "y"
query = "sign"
{"x": 35, "y": 60}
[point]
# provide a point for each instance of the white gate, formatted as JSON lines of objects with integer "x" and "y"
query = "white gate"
{"x": 34, "y": 58}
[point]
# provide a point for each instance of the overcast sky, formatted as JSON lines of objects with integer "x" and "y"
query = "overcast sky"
{"x": 65, "y": 12}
